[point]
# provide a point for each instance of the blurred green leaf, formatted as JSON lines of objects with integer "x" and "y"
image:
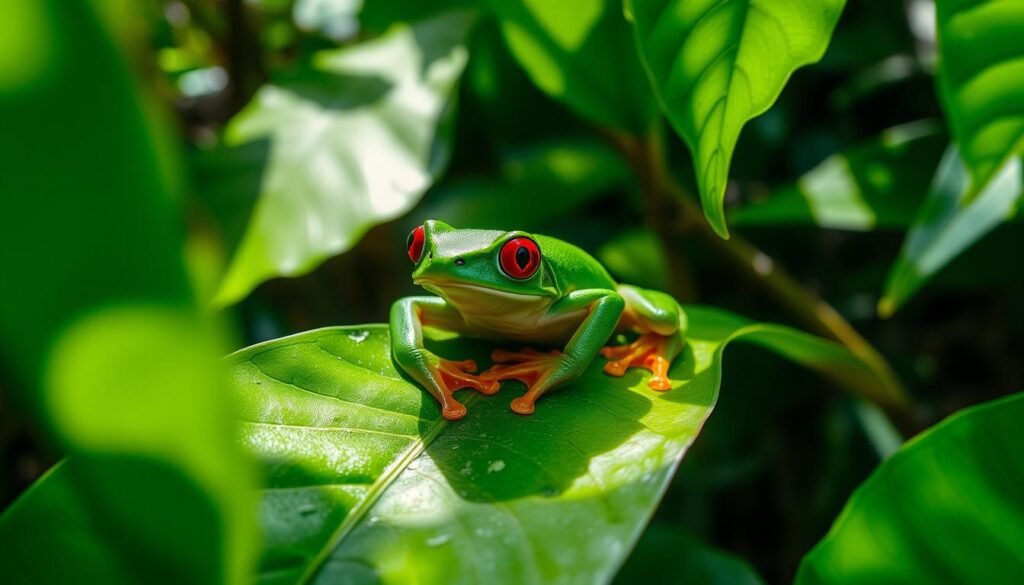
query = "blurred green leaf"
{"x": 156, "y": 488}
{"x": 352, "y": 143}
{"x": 715, "y": 65}
{"x": 947, "y": 508}
{"x": 878, "y": 184}
{"x": 946, "y": 225}
{"x": 664, "y": 551}
{"x": 981, "y": 64}
{"x": 99, "y": 330}
{"x": 335, "y": 19}
{"x": 366, "y": 482}
{"x": 536, "y": 185}
{"x": 636, "y": 257}
{"x": 580, "y": 53}
{"x": 377, "y": 16}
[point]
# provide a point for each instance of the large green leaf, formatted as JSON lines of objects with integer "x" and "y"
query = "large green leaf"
{"x": 947, "y": 223}
{"x": 879, "y": 184}
{"x": 98, "y": 331}
{"x": 947, "y": 508}
{"x": 366, "y": 482}
{"x": 715, "y": 64}
{"x": 580, "y": 52}
{"x": 981, "y": 64}
{"x": 352, "y": 143}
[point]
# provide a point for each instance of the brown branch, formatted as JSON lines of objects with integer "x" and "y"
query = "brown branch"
{"x": 675, "y": 215}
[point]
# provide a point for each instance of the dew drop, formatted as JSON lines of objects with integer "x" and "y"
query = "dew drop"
{"x": 496, "y": 466}
{"x": 359, "y": 336}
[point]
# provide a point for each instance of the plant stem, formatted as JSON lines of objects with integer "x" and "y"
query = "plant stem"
{"x": 674, "y": 215}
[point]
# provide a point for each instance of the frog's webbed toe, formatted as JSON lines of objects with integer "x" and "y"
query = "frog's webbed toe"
{"x": 459, "y": 374}
{"x": 530, "y": 367}
{"x": 649, "y": 351}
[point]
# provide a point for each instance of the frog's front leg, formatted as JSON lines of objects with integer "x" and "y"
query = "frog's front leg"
{"x": 661, "y": 323}
{"x": 439, "y": 376}
{"x": 543, "y": 371}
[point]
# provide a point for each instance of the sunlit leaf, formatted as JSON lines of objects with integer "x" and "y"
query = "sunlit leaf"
{"x": 353, "y": 143}
{"x": 580, "y": 52}
{"x": 947, "y": 508}
{"x": 717, "y": 64}
{"x": 101, "y": 343}
{"x": 879, "y": 184}
{"x": 981, "y": 63}
{"x": 365, "y": 480}
{"x": 335, "y": 19}
{"x": 946, "y": 224}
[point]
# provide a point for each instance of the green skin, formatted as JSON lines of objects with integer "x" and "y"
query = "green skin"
{"x": 569, "y": 302}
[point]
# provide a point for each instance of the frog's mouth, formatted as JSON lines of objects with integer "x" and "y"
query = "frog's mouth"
{"x": 475, "y": 298}
{"x": 454, "y": 290}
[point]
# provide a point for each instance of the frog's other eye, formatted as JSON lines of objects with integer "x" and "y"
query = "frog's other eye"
{"x": 519, "y": 258}
{"x": 415, "y": 244}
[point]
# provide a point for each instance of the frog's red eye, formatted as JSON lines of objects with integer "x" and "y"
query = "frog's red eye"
{"x": 520, "y": 257}
{"x": 415, "y": 244}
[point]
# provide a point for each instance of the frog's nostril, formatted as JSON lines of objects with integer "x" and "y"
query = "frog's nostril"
{"x": 459, "y": 261}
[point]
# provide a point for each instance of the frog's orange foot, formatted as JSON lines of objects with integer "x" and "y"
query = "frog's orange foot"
{"x": 529, "y": 366}
{"x": 650, "y": 351}
{"x": 459, "y": 374}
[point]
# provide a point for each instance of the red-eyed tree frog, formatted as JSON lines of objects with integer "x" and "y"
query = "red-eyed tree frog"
{"x": 515, "y": 286}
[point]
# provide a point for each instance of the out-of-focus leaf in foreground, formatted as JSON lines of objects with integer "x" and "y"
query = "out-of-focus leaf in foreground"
{"x": 580, "y": 53}
{"x": 715, "y": 65}
{"x": 98, "y": 329}
{"x": 366, "y": 483}
{"x": 949, "y": 221}
{"x": 981, "y": 63}
{"x": 947, "y": 508}
{"x": 879, "y": 184}
{"x": 353, "y": 142}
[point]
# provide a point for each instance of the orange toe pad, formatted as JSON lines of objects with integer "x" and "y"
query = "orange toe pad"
{"x": 459, "y": 374}
{"x": 528, "y": 366}
{"x": 649, "y": 351}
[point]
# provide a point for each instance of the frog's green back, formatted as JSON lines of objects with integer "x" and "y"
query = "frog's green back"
{"x": 572, "y": 268}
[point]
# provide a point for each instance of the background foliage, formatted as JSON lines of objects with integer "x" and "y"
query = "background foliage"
{"x": 185, "y": 178}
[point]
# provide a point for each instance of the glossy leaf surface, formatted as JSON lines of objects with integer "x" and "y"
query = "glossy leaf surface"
{"x": 981, "y": 63}
{"x": 716, "y": 64}
{"x": 366, "y": 482}
{"x": 352, "y": 143}
{"x": 948, "y": 223}
{"x": 580, "y": 53}
{"x": 947, "y": 508}
{"x": 879, "y": 184}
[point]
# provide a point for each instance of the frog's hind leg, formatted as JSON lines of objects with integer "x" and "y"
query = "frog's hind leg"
{"x": 661, "y": 323}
